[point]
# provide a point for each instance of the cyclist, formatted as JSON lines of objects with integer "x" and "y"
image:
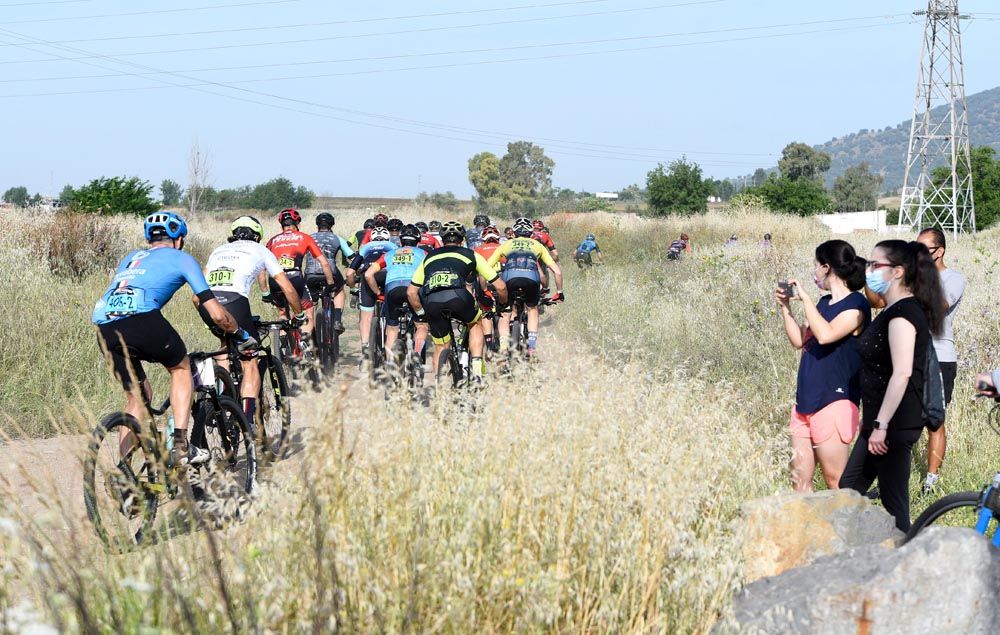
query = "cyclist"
{"x": 131, "y": 328}
{"x": 369, "y": 253}
{"x": 439, "y": 290}
{"x": 231, "y": 271}
{"x": 541, "y": 233}
{"x": 434, "y": 229}
{"x": 399, "y": 267}
{"x": 473, "y": 237}
{"x": 679, "y": 247}
{"x": 508, "y": 234}
{"x": 428, "y": 241}
{"x": 585, "y": 251}
{"x": 355, "y": 241}
{"x": 290, "y": 248}
{"x": 522, "y": 271}
{"x": 395, "y": 226}
{"x": 332, "y": 245}
{"x": 491, "y": 240}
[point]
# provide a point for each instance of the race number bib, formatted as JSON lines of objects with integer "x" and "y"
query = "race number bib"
{"x": 221, "y": 277}
{"x": 287, "y": 262}
{"x": 124, "y": 302}
{"x": 444, "y": 279}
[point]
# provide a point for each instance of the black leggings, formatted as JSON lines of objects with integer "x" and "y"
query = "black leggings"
{"x": 892, "y": 470}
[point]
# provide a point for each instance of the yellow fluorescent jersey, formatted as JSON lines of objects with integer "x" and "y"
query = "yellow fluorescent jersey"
{"x": 522, "y": 256}
{"x": 451, "y": 267}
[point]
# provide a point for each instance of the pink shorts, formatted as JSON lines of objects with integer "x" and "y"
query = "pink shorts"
{"x": 841, "y": 416}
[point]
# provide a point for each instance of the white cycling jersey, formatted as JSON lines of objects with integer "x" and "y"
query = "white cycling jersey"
{"x": 235, "y": 266}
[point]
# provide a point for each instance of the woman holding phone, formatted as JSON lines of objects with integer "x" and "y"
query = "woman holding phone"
{"x": 893, "y": 353}
{"x": 825, "y": 418}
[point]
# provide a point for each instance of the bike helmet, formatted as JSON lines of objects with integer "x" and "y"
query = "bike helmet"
{"x": 522, "y": 227}
{"x": 490, "y": 234}
{"x": 435, "y": 226}
{"x": 247, "y": 228}
{"x": 325, "y": 220}
{"x": 453, "y": 231}
{"x": 381, "y": 220}
{"x": 481, "y": 220}
{"x": 409, "y": 235}
{"x": 164, "y": 225}
{"x": 395, "y": 225}
{"x": 538, "y": 225}
{"x": 289, "y": 217}
{"x": 381, "y": 233}
{"x": 369, "y": 223}
{"x": 591, "y": 237}
{"x": 422, "y": 226}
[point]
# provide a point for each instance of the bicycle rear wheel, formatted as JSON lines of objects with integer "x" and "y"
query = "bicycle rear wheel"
{"x": 274, "y": 408}
{"x": 225, "y": 384}
{"x": 224, "y": 431}
{"x": 960, "y": 509}
{"x": 120, "y": 491}
{"x": 376, "y": 347}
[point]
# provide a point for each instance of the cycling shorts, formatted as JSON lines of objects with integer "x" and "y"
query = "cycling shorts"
{"x": 532, "y": 290}
{"x": 366, "y": 299}
{"x": 395, "y": 302}
{"x": 146, "y": 337}
{"x": 299, "y": 283}
{"x": 840, "y": 417}
{"x": 316, "y": 283}
{"x": 583, "y": 256}
{"x": 441, "y": 306}
{"x": 238, "y": 306}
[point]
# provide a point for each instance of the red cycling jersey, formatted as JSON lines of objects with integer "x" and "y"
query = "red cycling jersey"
{"x": 429, "y": 242}
{"x": 545, "y": 239}
{"x": 291, "y": 247}
{"x": 486, "y": 249}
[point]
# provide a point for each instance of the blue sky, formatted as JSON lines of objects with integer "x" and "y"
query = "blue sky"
{"x": 717, "y": 87}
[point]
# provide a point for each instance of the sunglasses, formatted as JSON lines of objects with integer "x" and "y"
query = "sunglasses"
{"x": 872, "y": 264}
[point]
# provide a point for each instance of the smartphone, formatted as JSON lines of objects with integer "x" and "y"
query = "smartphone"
{"x": 787, "y": 289}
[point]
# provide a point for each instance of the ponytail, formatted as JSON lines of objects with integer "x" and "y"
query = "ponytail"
{"x": 921, "y": 277}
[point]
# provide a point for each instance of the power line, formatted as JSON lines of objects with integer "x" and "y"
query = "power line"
{"x": 148, "y": 12}
{"x": 456, "y": 52}
{"x": 329, "y": 38}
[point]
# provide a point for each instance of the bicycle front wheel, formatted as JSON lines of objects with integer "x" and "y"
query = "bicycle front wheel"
{"x": 960, "y": 509}
{"x": 231, "y": 441}
{"x": 274, "y": 408}
{"x": 121, "y": 482}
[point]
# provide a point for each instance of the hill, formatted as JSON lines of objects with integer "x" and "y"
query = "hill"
{"x": 885, "y": 150}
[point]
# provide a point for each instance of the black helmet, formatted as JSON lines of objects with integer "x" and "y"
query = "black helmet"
{"x": 453, "y": 232}
{"x": 435, "y": 226}
{"x": 369, "y": 223}
{"x": 395, "y": 225}
{"x": 481, "y": 220}
{"x": 409, "y": 235}
{"x": 421, "y": 225}
{"x": 325, "y": 220}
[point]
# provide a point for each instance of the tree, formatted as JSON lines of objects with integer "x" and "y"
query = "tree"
{"x": 724, "y": 189}
{"x": 631, "y": 193}
{"x": 484, "y": 175}
{"x": 677, "y": 189}
{"x": 801, "y": 161}
{"x": 198, "y": 170}
{"x": 519, "y": 179}
{"x": 594, "y": 204}
{"x": 985, "y": 184}
{"x": 759, "y": 177}
{"x": 170, "y": 192}
{"x": 67, "y": 194}
{"x": 17, "y": 196}
{"x": 856, "y": 190}
{"x": 117, "y": 195}
{"x": 804, "y": 197}
{"x": 278, "y": 193}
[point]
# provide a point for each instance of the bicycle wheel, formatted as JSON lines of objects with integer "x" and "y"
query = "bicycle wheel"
{"x": 960, "y": 509}
{"x": 376, "y": 347}
{"x": 225, "y": 384}
{"x": 121, "y": 493}
{"x": 224, "y": 431}
{"x": 274, "y": 408}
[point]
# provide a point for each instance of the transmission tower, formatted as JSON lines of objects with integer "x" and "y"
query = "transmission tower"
{"x": 939, "y": 139}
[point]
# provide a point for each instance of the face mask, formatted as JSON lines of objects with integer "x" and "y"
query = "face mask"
{"x": 876, "y": 282}
{"x": 820, "y": 281}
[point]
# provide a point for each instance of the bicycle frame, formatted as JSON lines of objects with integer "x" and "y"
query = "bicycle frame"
{"x": 989, "y": 509}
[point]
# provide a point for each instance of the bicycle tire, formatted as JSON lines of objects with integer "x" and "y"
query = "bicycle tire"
{"x": 123, "y": 489}
{"x": 942, "y": 506}
{"x": 225, "y": 383}
{"x": 274, "y": 408}
{"x": 376, "y": 346}
{"x": 230, "y": 439}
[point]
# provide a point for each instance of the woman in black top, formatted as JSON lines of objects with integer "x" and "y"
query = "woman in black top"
{"x": 893, "y": 353}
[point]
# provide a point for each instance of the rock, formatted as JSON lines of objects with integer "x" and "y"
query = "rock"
{"x": 944, "y": 581}
{"x": 792, "y": 530}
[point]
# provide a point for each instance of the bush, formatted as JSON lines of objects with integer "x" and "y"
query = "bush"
{"x": 117, "y": 195}
{"x": 594, "y": 204}
{"x": 77, "y": 245}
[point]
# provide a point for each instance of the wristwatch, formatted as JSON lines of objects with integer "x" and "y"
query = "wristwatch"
{"x": 880, "y": 426}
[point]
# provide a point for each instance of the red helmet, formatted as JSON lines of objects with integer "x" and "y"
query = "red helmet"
{"x": 289, "y": 217}
{"x": 538, "y": 225}
{"x": 381, "y": 220}
{"x": 490, "y": 234}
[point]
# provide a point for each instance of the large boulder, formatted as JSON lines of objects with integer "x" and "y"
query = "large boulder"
{"x": 792, "y": 530}
{"x": 944, "y": 581}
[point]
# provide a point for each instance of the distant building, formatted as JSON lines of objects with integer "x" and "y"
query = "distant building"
{"x": 611, "y": 196}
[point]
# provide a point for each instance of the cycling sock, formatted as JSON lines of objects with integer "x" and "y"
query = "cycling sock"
{"x": 338, "y": 314}
{"x": 488, "y": 339}
{"x": 249, "y": 407}
{"x": 478, "y": 367}
{"x": 532, "y": 339}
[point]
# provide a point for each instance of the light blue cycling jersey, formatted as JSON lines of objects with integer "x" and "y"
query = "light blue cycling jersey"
{"x": 587, "y": 246}
{"x": 371, "y": 251}
{"x": 401, "y": 265}
{"x": 145, "y": 281}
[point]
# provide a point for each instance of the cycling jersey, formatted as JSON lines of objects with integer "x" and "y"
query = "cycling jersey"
{"x": 451, "y": 267}
{"x": 371, "y": 252}
{"x": 587, "y": 246}
{"x": 400, "y": 266}
{"x": 331, "y": 244}
{"x": 486, "y": 250}
{"x": 544, "y": 238}
{"x": 523, "y": 255}
{"x": 146, "y": 280}
{"x": 234, "y": 267}
{"x": 474, "y": 237}
{"x": 429, "y": 242}
{"x": 291, "y": 247}
{"x": 356, "y": 239}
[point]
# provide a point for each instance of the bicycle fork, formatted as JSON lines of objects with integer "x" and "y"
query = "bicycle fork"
{"x": 990, "y": 509}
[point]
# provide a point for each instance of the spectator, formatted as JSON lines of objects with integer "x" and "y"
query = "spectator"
{"x": 825, "y": 418}
{"x": 731, "y": 242}
{"x": 679, "y": 247}
{"x": 893, "y": 352}
{"x": 953, "y": 286}
{"x": 766, "y": 243}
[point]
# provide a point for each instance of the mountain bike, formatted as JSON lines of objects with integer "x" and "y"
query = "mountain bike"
{"x": 454, "y": 360}
{"x": 122, "y": 489}
{"x": 326, "y": 338}
{"x": 286, "y": 346}
{"x": 376, "y": 341}
{"x": 408, "y": 359}
{"x": 978, "y": 510}
{"x": 274, "y": 401}
{"x": 519, "y": 322}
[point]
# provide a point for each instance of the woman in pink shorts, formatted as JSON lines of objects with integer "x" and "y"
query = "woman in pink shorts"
{"x": 825, "y": 418}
